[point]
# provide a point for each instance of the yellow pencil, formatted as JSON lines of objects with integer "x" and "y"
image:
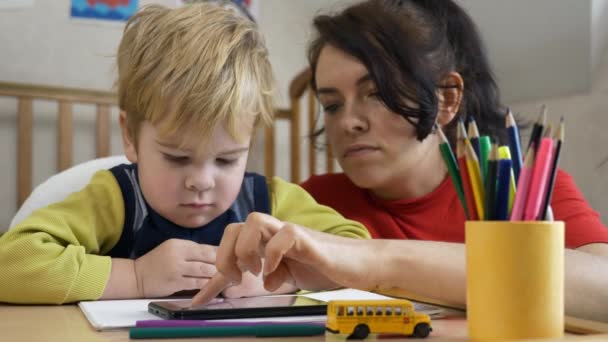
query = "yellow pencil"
{"x": 475, "y": 175}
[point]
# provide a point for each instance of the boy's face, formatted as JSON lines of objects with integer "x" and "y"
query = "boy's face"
{"x": 191, "y": 185}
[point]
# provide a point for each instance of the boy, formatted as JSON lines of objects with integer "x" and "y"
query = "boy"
{"x": 192, "y": 84}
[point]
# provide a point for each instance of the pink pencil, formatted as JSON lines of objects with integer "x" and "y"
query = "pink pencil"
{"x": 538, "y": 182}
{"x": 523, "y": 184}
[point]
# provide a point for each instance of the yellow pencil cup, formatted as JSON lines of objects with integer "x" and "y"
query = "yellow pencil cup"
{"x": 515, "y": 279}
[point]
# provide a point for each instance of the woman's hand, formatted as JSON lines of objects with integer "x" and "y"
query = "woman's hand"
{"x": 282, "y": 252}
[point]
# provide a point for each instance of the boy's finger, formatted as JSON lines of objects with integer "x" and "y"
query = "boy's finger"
{"x": 199, "y": 270}
{"x": 211, "y": 290}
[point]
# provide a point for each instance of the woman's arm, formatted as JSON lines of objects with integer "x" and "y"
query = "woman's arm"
{"x": 431, "y": 269}
{"x": 437, "y": 270}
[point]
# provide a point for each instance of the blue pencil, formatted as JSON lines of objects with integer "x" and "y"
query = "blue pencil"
{"x": 514, "y": 144}
{"x": 503, "y": 188}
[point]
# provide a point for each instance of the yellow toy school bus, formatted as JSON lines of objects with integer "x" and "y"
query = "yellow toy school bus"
{"x": 361, "y": 317}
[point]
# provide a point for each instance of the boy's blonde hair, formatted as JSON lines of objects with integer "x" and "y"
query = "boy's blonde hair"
{"x": 189, "y": 69}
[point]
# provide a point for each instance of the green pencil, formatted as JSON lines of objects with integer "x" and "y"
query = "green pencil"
{"x": 283, "y": 330}
{"x": 485, "y": 146}
{"x": 450, "y": 161}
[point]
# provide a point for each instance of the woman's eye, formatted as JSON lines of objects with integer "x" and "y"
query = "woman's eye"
{"x": 331, "y": 108}
{"x": 225, "y": 162}
{"x": 176, "y": 159}
{"x": 374, "y": 94}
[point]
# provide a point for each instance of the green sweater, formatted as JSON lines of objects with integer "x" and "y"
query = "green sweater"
{"x": 58, "y": 254}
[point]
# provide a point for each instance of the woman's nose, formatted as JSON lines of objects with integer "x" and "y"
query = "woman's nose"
{"x": 354, "y": 120}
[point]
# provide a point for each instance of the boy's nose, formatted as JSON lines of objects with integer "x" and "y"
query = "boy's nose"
{"x": 200, "y": 181}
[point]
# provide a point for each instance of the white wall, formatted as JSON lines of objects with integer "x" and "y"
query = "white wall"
{"x": 539, "y": 48}
{"x": 599, "y": 31}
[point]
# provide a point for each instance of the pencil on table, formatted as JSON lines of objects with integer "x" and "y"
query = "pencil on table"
{"x": 475, "y": 176}
{"x": 523, "y": 185}
{"x": 490, "y": 184}
{"x": 538, "y": 181}
{"x": 559, "y": 136}
{"x": 452, "y": 165}
{"x": 470, "y": 209}
{"x": 514, "y": 144}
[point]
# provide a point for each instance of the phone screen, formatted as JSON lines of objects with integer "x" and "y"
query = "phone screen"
{"x": 224, "y": 308}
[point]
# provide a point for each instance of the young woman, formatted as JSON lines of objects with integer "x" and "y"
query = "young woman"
{"x": 385, "y": 73}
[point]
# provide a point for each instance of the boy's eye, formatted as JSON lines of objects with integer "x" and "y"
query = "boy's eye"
{"x": 176, "y": 159}
{"x": 225, "y": 162}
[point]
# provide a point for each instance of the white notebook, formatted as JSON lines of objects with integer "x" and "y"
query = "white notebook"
{"x": 112, "y": 314}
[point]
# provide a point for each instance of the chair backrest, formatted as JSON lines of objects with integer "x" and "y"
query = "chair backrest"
{"x": 65, "y": 99}
{"x": 301, "y": 97}
{"x": 60, "y": 185}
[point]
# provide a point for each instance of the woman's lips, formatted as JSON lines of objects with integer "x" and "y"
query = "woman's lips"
{"x": 359, "y": 151}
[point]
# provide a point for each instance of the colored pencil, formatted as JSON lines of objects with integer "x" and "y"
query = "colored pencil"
{"x": 485, "y": 147}
{"x": 522, "y": 186}
{"x": 538, "y": 181}
{"x": 474, "y": 137}
{"x": 490, "y": 184}
{"x": 514, "y": 144}
{"x": 505, "y": 153}
{"x": 461, "y": 135}
{"x": 505, "y": 173}
{"x": 537, "y": 129}
{"x": 475, "y": 176}
{"x": 559, "y": 136}
{"x": 452, "y": 165}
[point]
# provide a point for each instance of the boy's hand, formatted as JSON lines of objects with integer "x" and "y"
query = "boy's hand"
{"x": 174, "y": 265}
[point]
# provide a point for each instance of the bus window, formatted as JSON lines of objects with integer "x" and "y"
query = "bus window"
{"x": 378, "y": 311}
{"x": 340, "y": 311}
{"x": 359, "y": 311}
{"x": 389, "y": 311}
{"x": 350, "y": 310}
{"x": 397, "y": 311}
{"x": 370, "y": 310}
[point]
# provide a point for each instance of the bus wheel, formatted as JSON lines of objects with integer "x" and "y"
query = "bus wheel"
{"x": 361, "y": 331}
{"x": 422, "y": 330}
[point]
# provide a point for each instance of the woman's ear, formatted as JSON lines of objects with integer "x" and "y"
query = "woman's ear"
{"x": 450, "y": 96}
{"x": 128, "y": 144}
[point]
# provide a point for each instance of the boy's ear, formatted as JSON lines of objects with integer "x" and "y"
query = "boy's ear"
{"x": 128, "y": 143}
{"x": 450, "y": 96}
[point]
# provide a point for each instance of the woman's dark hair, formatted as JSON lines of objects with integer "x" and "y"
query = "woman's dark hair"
{"x": 409, "y": 47}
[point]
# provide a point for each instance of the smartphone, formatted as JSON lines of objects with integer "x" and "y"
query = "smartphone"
{"x": 251, "y": 307}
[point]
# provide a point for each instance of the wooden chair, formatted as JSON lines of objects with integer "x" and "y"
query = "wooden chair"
{"x": 299, "y": 90}
{"x": 66, "y": 98}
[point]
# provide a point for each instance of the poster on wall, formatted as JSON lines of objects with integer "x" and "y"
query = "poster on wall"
{"x": 16, "y": 3}
{"x": 116, "y": 10}
{"x": 249, "y": 8}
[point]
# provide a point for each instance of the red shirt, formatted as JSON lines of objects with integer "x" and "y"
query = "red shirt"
{"x": 439, "y": 216}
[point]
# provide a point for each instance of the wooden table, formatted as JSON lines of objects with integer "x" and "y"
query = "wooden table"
{"x": 67, "y": 323}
